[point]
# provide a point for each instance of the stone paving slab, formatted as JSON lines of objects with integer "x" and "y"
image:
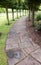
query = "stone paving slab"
{"x": 14, "y": 35}
{"x": 18, "y": 41}
{"x": 12, "y": 42}
{"x": 30, "y": 48}
{"x": 37, "y": 54}
{"x": 27, "y": 44}
{"x": 13, "y": 61}
{"x": 29, "y": 61}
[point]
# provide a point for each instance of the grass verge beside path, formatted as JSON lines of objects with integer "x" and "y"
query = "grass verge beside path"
{"x": 4, "y": 29}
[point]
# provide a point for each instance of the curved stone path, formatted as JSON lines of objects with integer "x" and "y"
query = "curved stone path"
{"x": 20, "y": 48}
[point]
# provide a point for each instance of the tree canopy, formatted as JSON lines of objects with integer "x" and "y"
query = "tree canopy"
{"x": 21, "y": 4}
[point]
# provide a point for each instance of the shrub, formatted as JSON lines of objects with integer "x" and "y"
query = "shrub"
{"x": 38, "y": 17}
{"x": 38, "y": 27}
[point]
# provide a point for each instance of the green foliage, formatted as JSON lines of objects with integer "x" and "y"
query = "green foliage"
{"x": 38, "y": 27}
{"x": 38, "y": 17}
{"x": 33, "y": 4}
{"x": 2, "y": 10}
{"x": 38, "y": 23}
{"x": 20, "y": 4}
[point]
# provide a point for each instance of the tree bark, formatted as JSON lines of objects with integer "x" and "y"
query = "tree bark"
{"x": 12, "y": 14}
{"x": 29, "y": 15}
{"x": 33, "y": 17}
{"x": 20, "y": 12}
{"x": 17, "y": 14}
{"x": 25, "y": 12}
{"x": 7, "y": 15}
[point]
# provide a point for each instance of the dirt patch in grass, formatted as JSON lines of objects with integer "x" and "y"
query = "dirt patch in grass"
{"x": 35, "y": 35}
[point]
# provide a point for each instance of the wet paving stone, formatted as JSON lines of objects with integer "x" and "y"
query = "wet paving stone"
{"x": 28, "y": 61}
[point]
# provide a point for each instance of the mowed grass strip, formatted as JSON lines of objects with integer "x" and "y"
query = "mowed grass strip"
{"x": 4, "y": 29}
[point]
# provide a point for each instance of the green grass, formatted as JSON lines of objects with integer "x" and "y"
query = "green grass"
{"x": 4, "y": 29}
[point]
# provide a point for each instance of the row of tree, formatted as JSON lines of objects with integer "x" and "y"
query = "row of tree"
{"x": 12, "y": 4}
{"x": 31, "y": 5}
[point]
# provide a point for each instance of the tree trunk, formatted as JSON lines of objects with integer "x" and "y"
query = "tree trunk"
{"x": 20, "y": 12}
{"x": 33, "y": 17}
{"x": 12, "y": 14}
{"x": 17, "y": 14}
{"x": 29, "y": 15}
{"x": 25, "y": 12}
{"x": 7, "y": 15}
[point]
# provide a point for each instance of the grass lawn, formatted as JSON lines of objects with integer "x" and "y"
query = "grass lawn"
{"x": 4, "y": 29}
